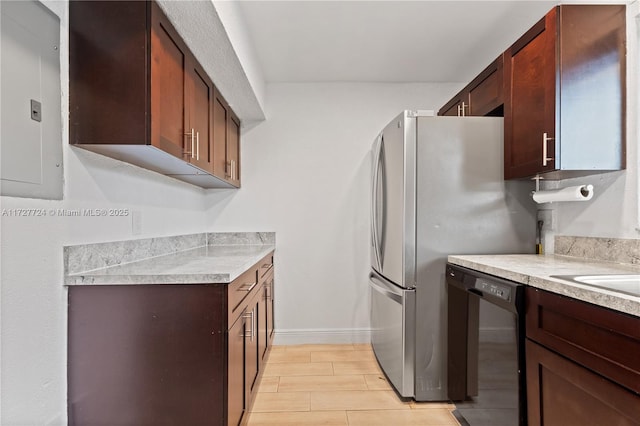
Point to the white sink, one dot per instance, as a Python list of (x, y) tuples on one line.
[(629, 284)]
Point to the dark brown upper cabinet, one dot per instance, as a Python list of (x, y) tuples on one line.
[(226, 130), (564, 104), (482, 97), (139, 95)]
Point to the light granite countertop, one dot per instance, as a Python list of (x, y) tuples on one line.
[(179, 260), (537, 270)]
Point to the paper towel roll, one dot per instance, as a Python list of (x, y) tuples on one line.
[(571, 193)]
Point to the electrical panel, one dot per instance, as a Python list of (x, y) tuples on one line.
[(31, 97)]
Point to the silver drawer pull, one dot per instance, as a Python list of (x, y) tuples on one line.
[(247, 287)]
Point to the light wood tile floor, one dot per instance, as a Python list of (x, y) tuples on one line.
[(308, 385)]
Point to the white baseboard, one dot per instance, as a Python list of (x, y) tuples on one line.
[(322, 336)]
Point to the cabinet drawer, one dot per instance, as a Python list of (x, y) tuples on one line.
[(605, 341), (239, 289), (265, 265)]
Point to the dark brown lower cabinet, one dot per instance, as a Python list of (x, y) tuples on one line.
[(564, 393), (583, 366), (152, 355)]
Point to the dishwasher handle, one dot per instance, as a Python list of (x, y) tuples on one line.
[(476, 292)]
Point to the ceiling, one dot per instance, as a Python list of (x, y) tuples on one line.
[(383, 41)]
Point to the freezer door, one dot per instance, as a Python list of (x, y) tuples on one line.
[(393, 202), (393, 332)]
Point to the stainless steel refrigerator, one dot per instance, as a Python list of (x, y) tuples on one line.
[(437, 189)]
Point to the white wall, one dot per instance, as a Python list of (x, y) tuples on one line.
[(33, 301), (306, 173)]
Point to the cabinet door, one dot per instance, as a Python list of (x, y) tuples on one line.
[(485, 91), (235, 373), (252, 357), (220, 117), (199, 132), (530, 99), (270, 311), (226, 142), (560, 392), (263, 323), (168, 87), (266, 316), (233, 149)]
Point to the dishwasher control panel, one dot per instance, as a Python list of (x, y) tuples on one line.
[(494, 289)]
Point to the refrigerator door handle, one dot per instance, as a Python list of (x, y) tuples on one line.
[(383, 172), (380, 286), (374, 202)]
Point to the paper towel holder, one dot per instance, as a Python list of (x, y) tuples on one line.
[(570, 193)]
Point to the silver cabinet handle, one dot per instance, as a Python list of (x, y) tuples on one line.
[(230, 168), (268, 290), (545, 140), (461, 108), (192, 153), (250, 333), (247, 287), (193, 141), (191, 135), (198, 146)]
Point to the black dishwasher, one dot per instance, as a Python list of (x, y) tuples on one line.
[(485, 358)]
